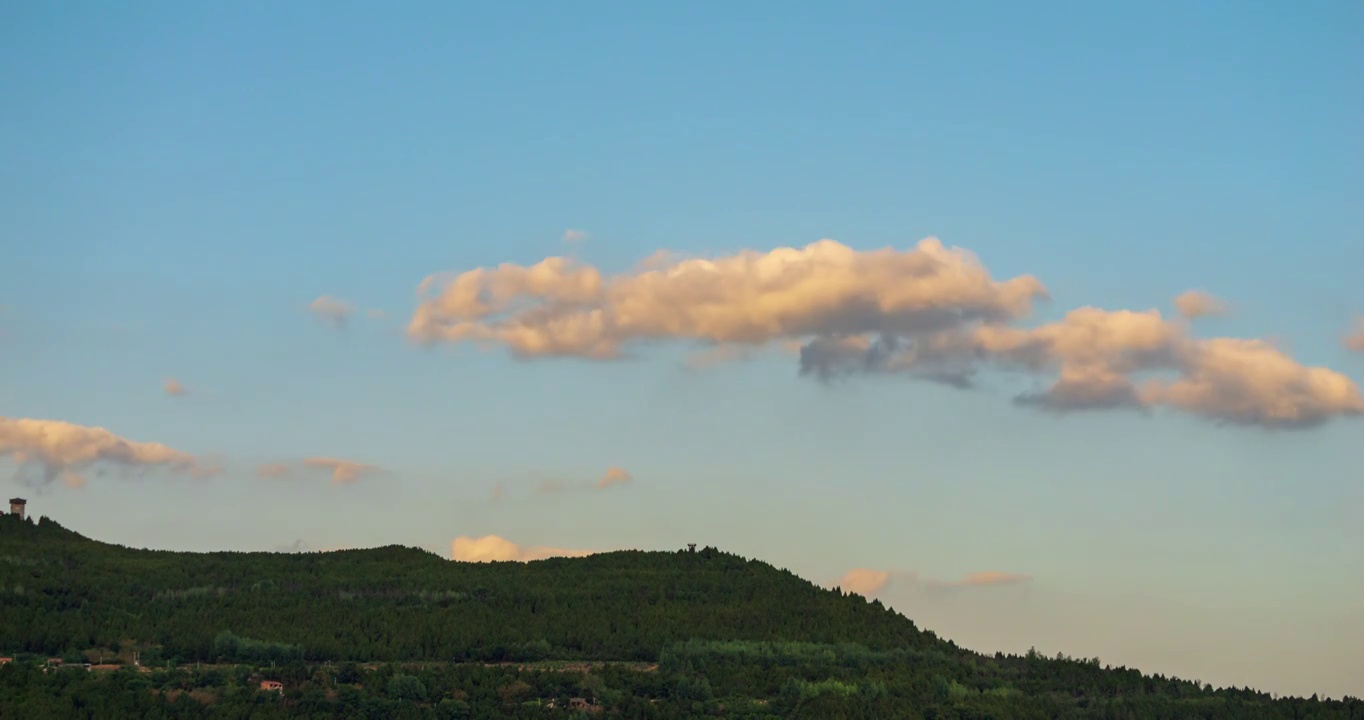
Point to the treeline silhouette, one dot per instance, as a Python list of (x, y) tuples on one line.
[(399, 632)]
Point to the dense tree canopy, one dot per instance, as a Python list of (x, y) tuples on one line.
[(398, 632)]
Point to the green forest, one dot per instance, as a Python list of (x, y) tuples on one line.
[(94, 630)]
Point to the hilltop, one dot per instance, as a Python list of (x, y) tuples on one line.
[(77, 592), (653, 634)]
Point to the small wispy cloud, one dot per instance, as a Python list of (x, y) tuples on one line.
[(573, 237), (332, 311), (173, 387), (1354, 339), (612, 477), (342, 472), (982, 579), (1198, 303)]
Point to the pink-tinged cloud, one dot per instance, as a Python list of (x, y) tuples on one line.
[(614, 476), (871, 583), (491, 548), (931, 312), (58, 449), (173, 387), (559, 307), (1198, 303), (574, 236), (342, 472), (1099, 359), (1354, 340), (273, 470), (989, 577), (333, 311), (864, 581)]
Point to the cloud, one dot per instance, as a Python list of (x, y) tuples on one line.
[(614, 476), (559, 307), (271, 470), (343, 472), (930, 312), (1354, 340), (173, 387), (864, 581), (491, 548), (333, 311), (554, 487), (572, 236), (870, 583), (47, 450), (1197, 303), (982, 579)]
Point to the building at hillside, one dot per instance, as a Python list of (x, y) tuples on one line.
[(16, 507)]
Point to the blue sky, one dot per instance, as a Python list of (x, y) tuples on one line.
[(180, 183)]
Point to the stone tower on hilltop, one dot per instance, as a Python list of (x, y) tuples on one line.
[(16, 507)]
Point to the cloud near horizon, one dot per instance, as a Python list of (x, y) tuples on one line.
[(869, 582), (343, 472), (1198, 303), (47, 450), (173, 387), (492, 548), (932, 312)]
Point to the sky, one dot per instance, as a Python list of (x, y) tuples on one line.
[(1039, 322)]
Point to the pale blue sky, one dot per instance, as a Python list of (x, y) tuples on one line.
[(179, 181)]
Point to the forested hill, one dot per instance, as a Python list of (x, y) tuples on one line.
[(398, 632), (64, 593)]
